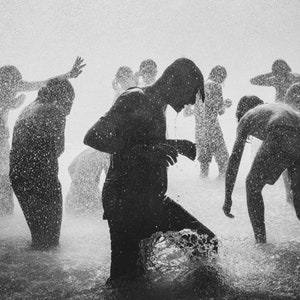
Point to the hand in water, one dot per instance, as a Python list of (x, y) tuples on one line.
[(227, 208)]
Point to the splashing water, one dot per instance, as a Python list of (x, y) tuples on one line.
[(79, 268)]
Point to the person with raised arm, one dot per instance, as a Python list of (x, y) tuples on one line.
[(11, 83)]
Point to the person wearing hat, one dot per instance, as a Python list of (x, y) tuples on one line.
[(38, 142), (11, 83), (281, 78), (134, 197), (208, 133)]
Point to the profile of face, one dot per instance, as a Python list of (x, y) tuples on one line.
[(181, 81), (188, 97)]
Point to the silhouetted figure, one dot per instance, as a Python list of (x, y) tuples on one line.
[(208, 133), (148, 72), (281, 78), (85, 171), (11, 83), (123, 80), (277, 125), (38, 141), (133, 131)]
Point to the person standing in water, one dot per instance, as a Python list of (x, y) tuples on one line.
[(281, 78), (85, 171), (38, 142), (134, 197), (11, 83), (208, 133), (278, 126)]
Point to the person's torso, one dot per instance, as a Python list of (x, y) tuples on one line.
[(265, 118)]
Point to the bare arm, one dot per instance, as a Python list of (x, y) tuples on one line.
[(16, 102), (232, 171), (25, 86), (264, 79)]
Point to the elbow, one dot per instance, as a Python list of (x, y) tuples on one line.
[(89, 140), (93, 140)]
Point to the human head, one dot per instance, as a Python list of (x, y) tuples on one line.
[(245, 104), (179, 84), (58, 92), (125, 77), (292, 96), (10, 77), (148, 71), (280, 67), (218, 74)]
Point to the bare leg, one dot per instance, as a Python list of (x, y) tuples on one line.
[(204, 168), (256, 207), (287, 183), (294, 173)]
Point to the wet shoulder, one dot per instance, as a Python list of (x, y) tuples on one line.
[(281, 115), (130, 100)]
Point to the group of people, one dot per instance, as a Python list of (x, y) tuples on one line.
[(84, 195), (133, 134)]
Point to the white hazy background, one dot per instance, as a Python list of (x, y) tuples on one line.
[(43, 38)]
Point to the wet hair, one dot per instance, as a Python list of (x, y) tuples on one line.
[(218, 74), (148, 67), (59, 90), (280, 67), (183, 72), (8, 73), (245, 104), (124, 73), (292, 96)]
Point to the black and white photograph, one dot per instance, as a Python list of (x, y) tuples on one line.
[(149, 150)]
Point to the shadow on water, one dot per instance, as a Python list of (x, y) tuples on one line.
[(79, 268)]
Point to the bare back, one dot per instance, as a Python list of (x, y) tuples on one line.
[(261, 120)]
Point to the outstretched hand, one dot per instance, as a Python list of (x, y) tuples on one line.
[(77, 68), (184, 147), (227, 209)]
